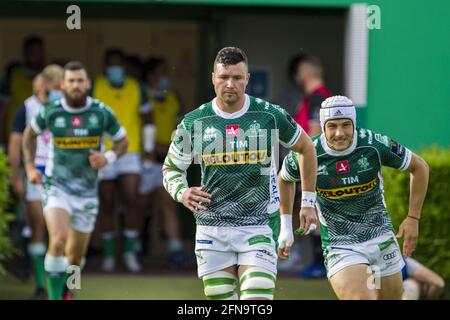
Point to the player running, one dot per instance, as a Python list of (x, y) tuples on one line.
[(355, 227), (235, 139), (77, 124)]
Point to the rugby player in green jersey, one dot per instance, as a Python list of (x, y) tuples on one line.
[(76, 124), (362, 256), (235, 139)]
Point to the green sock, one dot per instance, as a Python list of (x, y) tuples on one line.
[(108, 241), (55, 268), (39, 271), (37, 254), (131, 237), (55, 283)]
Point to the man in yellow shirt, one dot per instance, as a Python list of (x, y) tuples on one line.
[(16, 85), (124, 95)]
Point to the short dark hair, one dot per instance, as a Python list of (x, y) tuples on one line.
[(32, 41), (293, 64), (113, 52), (314, 65), (231, 56), (73, 66)]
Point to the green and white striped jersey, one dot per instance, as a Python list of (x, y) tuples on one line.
[(75, 131), (350, 186), (235, 152)]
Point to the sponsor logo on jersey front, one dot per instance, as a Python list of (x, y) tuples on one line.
[(77, 121), (349, 191), (77, 142), (342, 167), (60, 122), (232, 130), (234, 158)]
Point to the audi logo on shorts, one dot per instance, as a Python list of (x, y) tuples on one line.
[(390, 255)]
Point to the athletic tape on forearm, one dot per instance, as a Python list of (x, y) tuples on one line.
[(308, 199), (175, 183), (286, 222)]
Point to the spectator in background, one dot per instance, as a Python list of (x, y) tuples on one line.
[(124, 95), (16, 85), (163, 111), (291, 97), (134, 67), (46, 89), (419, 282), (311, 82), (309, 76)]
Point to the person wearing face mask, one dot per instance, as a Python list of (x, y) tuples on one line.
[(16, 85), (47, 89), (163, 111), (362, 255), (125, 96), (310, 80)]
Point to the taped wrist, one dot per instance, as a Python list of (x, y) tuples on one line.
[(175, 183), (308, 199)]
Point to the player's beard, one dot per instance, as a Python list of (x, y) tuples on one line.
[(76, 102)]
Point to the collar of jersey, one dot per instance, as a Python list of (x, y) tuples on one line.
[(233, 115), (332, 152), (76, 110)]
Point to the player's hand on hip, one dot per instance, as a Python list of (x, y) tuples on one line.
[(34, 175), (409, 230), (97, 159), (307, 217), (194, 197)]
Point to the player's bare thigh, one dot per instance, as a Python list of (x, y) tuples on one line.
[(354, 283), (391, 287)]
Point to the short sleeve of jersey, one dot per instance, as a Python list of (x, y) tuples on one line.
[(19, 123), (180, 153), (112, 126), (289, 130), (39, 123), (290, 170), (392, 153)]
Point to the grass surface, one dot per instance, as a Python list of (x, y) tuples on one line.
[(122, 287)]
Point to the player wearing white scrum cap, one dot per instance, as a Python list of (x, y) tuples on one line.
[(356, 231)]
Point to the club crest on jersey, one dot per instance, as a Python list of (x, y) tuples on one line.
[(363, 164), (342, 167), (77, 121), (232, 130), (93, 120)]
